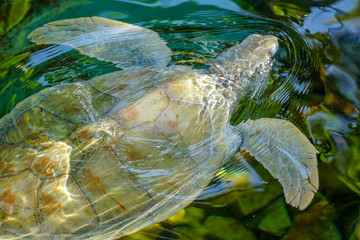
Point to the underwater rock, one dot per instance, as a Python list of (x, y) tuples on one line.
[(251, 201), (316, 223), (234, 229), (194, 226), (188, 224), (277, 220)]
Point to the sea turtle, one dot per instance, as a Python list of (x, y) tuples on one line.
[(103, 158)]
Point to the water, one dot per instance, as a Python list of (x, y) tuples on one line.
[(314, 84)]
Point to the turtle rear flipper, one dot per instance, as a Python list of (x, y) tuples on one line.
[(113, 41), (287, 154)]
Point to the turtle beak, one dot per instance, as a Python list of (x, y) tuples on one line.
[(273, 45)]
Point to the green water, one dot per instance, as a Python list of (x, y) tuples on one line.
[(314, 84)]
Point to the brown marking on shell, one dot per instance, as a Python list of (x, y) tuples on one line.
[(184, 90), (117, 89), (52, 160), (6, 204), (45, 167), (143, 73), (185, 122), (177, 87), (49, 203), (134, 153), (86, 138), (96, 184), (63, 208), (146, 109), (171, 126), (130, 113), (14, 159), (6, 167), (114, 177), (120, 87), (18, 202), (83, 133)]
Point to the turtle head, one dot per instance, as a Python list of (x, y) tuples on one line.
[(245, 67), (262, 46), (255, 50)]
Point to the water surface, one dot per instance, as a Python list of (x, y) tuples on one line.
[(314, 84)]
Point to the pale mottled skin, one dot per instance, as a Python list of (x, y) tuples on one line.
[(104, 158)]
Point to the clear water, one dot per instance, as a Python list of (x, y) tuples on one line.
[(314, 84)]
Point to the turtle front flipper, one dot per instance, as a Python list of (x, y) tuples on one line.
[(113, 41), (287, 154)]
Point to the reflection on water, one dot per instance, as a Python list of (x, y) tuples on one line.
[(314, 84)]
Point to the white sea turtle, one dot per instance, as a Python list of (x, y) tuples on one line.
[(103, 158)]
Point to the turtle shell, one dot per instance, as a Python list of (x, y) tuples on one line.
[(107, 157)]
